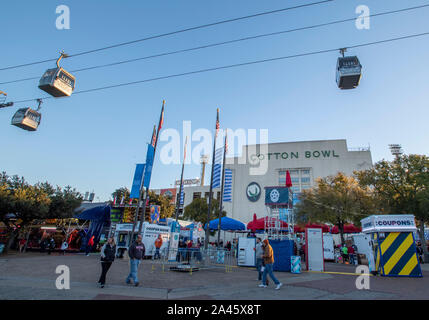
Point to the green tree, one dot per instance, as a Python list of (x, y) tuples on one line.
[(167, 208), (121, 192), (337, 200), (26, 203), (402, 185), (198, 208)]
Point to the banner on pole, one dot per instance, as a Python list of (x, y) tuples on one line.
[(137, 181), (149, 164)]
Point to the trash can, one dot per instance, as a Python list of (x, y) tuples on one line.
[(1, 248)]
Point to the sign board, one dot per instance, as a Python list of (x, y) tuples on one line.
[(328, 247), (246, 252), (314, 249), (174, 245), (278, 196), (389, 223), (188, 182), (150, 233), (116, 214)]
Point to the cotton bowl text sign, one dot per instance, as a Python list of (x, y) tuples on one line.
[(389, 223), (322, 154)]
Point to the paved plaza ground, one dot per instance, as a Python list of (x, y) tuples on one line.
[(31, 276)]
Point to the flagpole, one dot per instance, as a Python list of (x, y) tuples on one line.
[(141, 193), (161, 121), (206, 243), (179, 198), (221, 191)]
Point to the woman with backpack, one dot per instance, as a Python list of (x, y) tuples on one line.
[(108, 252)]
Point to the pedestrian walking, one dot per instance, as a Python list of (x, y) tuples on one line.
[(136, 253), (344, 253), (351, 252), (89, 245), (158, 245), (419, 250), (22, 243), (259, 252), (51, 245), (108, 252), (64, 246), (268, 269)]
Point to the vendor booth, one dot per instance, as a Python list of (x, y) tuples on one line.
[(394, 244)]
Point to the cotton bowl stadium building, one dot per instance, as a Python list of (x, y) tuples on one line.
[(260, 166)]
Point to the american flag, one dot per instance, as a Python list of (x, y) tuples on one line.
[(217, 123), (154, 136), (184, 153), (226, 142)]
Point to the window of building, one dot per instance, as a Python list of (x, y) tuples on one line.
[(197, 195), (301, 178), (218, 195)]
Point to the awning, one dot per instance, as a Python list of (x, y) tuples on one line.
[(100, 213), (226, 224)]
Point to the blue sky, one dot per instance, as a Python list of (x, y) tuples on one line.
[(93, 141)]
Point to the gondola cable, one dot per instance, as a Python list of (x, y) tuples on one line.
[(241, 64), (172, 33), (225, 42)]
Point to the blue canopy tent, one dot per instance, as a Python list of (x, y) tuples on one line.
[(99, 217), (226, 224)]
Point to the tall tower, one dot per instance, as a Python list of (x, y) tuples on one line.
[(203, 160), (396, 149)]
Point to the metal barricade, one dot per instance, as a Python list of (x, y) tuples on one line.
[(193, 259)]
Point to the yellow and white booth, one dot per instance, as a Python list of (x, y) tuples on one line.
[(394, 244)]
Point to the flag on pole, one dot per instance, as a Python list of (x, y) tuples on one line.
[(149, 164), (226, 142), (122, 200), (227, 188), (217, 173), (114, 201), (217, 123), (154, 136), (182, 196), (161, 119), (288, 179)]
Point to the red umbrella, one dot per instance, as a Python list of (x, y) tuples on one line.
[(348, 228), (324, 227), (259, 224), (298, 229)]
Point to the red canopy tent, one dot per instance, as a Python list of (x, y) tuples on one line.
[(324, 227), (348, 228), (259, 224)]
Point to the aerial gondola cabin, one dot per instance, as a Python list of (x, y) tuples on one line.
[(27, 119), (57, 82), (349, 72)]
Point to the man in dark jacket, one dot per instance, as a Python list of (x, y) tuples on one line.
[(136, 253)]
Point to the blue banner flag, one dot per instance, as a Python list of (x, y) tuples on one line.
[(227, 188), (182, 197), (217, 172), (149, 164), (137, 182)]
